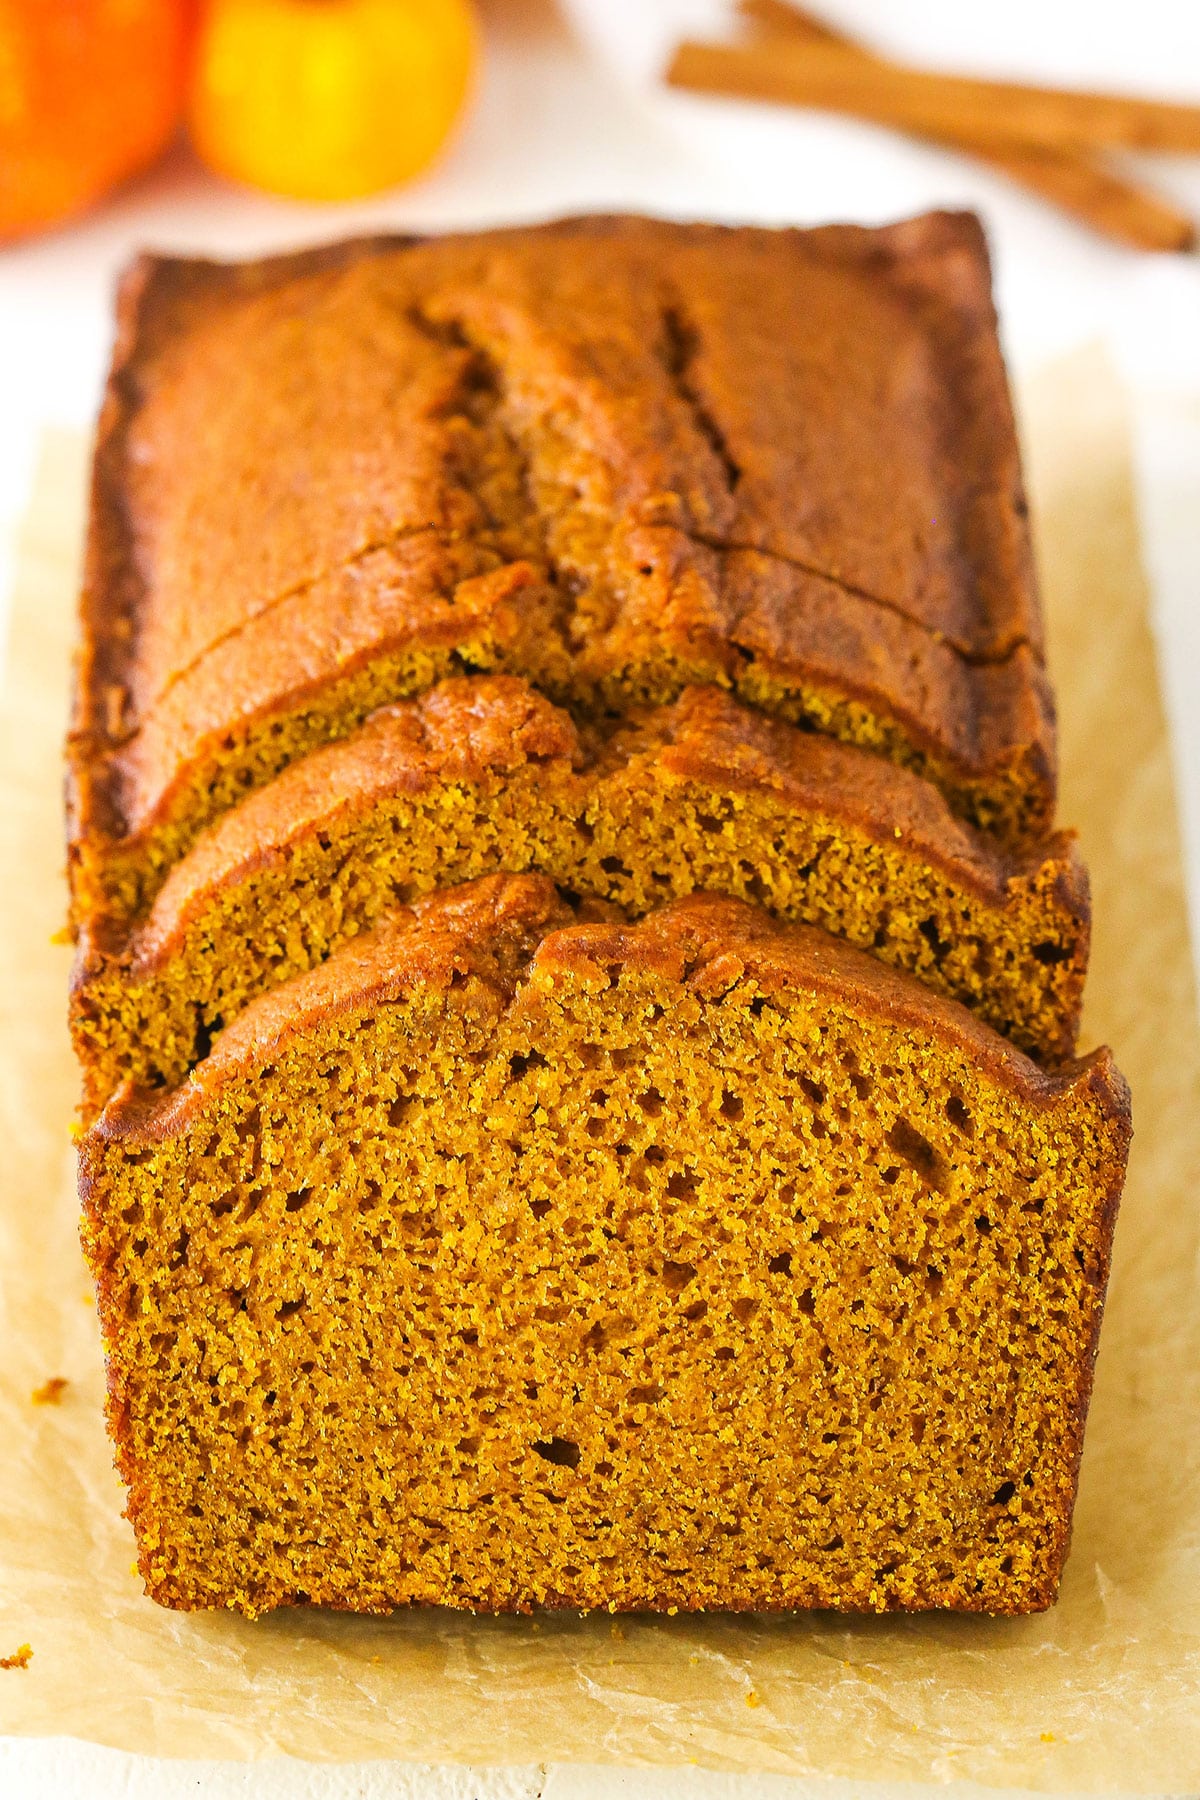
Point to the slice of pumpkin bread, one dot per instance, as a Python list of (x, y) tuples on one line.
[(483, 774), (616, 456), (504, 1260)]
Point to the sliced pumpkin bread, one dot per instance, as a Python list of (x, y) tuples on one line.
[(483, 774), (506, 1260)]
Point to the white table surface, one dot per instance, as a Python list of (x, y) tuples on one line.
[(569, 118)]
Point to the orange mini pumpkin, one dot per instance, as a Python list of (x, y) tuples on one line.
[(329, 99), (90, 92)]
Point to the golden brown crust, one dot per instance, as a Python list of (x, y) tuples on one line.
[(507, 932), (159, 300), (308, 466)]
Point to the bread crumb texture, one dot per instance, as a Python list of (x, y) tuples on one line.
[(485, 774), (508, 1261)]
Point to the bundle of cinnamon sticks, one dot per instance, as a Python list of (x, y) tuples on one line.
[(1050, 140)]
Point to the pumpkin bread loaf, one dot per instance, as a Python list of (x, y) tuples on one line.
[(615, 456), (484, 774), (506, 1260), (560, 799)]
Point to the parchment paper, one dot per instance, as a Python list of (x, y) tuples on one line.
[(1102, 1692)]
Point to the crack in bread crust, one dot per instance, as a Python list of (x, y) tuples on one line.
[(626, 613)]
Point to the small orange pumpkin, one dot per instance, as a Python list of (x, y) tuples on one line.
[(90, 92), (329, 99)]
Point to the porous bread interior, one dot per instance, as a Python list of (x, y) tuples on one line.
[(1006, 801), (626, 836), (119, 877), (612, 1297)]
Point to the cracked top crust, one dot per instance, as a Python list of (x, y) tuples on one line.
[(781, 459)]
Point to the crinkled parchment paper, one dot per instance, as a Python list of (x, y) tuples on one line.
[(1102, 1692)]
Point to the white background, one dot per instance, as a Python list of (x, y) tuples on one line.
[(570, 118)]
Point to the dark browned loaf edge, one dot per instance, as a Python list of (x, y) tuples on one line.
[(705, 942), (157, 297)]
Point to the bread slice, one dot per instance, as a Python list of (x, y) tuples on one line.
[(614, 456), (506, 1260), (483, 774)]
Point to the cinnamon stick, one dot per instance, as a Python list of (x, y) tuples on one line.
[(1121, 210), (1094, 194), (796, 21), (830, 76)]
